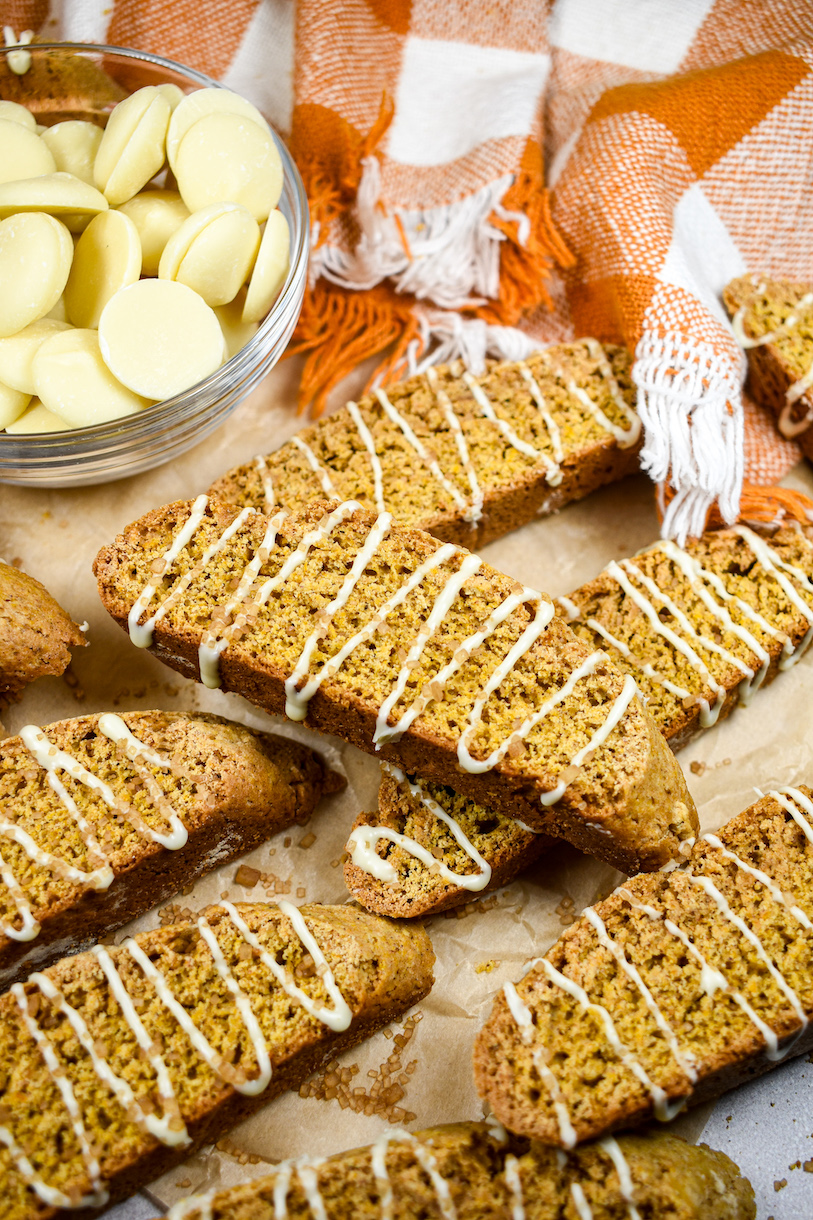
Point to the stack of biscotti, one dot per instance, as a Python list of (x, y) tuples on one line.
[(415, 650), (773, 323), (118, 1063), (677, 987), (476, 1171), (104, 816), (36, 634), (465, 458), (699, 629)]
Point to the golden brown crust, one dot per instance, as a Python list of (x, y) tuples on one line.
[(232, 787), (379, 967), (669, 1178), (515, 485), (692, 983), (36, 634), (628, 803)]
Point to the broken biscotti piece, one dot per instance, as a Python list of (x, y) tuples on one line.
[(36, 634), (121, 1062), (397, 644), (773, 323), (465, 458), (677, 987), (699, 629), (476, 1171), (104, 816)]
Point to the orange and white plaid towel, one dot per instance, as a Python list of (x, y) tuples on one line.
[(678, 139)]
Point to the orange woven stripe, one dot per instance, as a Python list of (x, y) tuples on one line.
[(24, 15), (205, 36), (734, 98)]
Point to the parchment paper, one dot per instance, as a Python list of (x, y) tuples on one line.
[(56, 535)]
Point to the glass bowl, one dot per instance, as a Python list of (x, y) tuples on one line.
[(125, 446)]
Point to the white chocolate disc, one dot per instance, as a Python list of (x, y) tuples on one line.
[(107, 257), (22, 153), (156, 215), (159, 338), (59, 194), (17, 353), (59, 311), (15, 113), (74, 382), (236, 332), (12, 404), (270, 269), (201, 103), (35, 258), (74, 145), (217, 261), (173, 93), (37, 419), (137, 149), (225, 157)]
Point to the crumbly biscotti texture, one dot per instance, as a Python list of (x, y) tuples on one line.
[(418, 889), (101, 1085), (77, 868), (680, 985), (779, 308), (36, 634), (737, 623), (741, 607), (489, 1176), (322, 583), (516, 474)]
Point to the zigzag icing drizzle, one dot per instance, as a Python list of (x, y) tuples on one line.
[(712, 980), (364, 839), (101, 875), (168, 1126), (472, 505), (787, 426), (711, 590), (302, 684)]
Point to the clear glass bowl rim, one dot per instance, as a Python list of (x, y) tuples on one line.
[(219, 383)]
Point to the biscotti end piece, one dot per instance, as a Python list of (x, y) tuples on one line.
[(119, 1063), (773, 323), (465, 458), (475, 1171), (428, 849), (36, 634), (705, 626), (677, 987), (397, 644), (105, 816)]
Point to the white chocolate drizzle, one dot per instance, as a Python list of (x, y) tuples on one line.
[(522, 1015), (515, 441), (625, 1184), (513, 1180), (474, 512), (762, 878), (321, 472), (787, 426), (781, 795), (100, 876), (550, 423), (427, 1162), (269, 497), (773, 563), (363, 841), (619, 707), (580, 1203), (625, 437), (369, 444), (418, 446), (168, 1126), (141, 634), (202, 1204)]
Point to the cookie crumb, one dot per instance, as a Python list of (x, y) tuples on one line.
[(780, 1184), (697, 768), (487, 966), (247, 876), (308, 840)]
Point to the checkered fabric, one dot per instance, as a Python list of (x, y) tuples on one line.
[(677, 135)]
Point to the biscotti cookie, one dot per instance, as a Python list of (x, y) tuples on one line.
[(773, 323), (465, 458), (477, 1171), (699, 629), (677, 987), (104, 816), (118, 1063), (36, 634), (397, 644)]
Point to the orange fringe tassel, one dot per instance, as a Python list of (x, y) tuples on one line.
[(771, 505), (340, 328)]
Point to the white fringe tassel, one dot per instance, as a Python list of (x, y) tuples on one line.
[(453, 257), (446, 337), (689, 399)]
